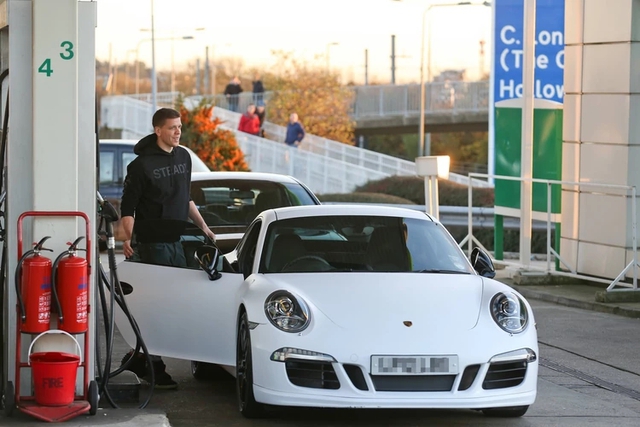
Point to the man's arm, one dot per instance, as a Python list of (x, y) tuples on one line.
[(194, 215), (127, 225), (132, 188)]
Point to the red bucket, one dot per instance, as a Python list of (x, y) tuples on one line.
[(54, 377)]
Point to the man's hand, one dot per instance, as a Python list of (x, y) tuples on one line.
[(210, 234), (127, 249)]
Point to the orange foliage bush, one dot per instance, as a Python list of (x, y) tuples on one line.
[(216, 147)]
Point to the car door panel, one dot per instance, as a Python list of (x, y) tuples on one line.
[(180, 312)]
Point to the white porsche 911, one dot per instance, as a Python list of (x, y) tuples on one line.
[(344, 306)]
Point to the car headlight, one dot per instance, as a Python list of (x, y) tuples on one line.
[(286, 312), (509, 312)]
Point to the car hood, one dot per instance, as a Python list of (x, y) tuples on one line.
[(373, 301)]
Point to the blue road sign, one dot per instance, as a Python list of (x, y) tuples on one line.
[(508, 52)]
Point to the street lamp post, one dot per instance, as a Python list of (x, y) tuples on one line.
[(138, 53), (424, 149), (172, 38), (127, 70), (329, 51)]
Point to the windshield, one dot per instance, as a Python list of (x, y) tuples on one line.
[(361, 243), (237, 202)]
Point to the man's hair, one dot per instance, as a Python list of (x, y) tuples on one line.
[(162, 115)]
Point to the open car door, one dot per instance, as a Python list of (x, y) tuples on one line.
[(181, 312)]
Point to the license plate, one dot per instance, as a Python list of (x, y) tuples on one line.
[(414, 365)]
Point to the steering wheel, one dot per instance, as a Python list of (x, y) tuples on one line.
[(322, 264)]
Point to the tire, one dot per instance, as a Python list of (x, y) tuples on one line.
[(94, 397), (208, 371), (508, 412), (247, 404), (9, 399)]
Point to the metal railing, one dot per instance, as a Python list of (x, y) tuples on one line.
[(321, 174), (382, 163), (369, 101), (600, 189)]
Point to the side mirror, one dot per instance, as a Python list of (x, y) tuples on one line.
[(207, 258), (482, 263)]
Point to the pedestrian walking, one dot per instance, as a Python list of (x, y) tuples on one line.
[(295, 131), (258, 89), (232, 92), (261, 113)]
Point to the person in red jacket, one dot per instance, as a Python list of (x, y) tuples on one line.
[(250, 122)]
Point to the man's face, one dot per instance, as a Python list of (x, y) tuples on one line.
[(169, 134)]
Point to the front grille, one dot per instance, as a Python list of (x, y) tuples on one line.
[(356, 376), (413, 382), (468, 377), (312, 374), (503, 375)]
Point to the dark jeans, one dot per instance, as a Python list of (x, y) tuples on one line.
[(171, 254)]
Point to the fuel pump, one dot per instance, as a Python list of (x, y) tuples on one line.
[(33, 289), (70, 289)]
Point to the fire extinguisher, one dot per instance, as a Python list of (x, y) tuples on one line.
[(33, 289), (70, 289)]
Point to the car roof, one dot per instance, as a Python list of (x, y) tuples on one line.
[(243, 176), (132, 142), (349, 210)]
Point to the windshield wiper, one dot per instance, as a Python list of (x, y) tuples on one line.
[(440, 271)]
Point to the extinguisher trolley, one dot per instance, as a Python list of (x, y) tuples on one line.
[(87, 401)]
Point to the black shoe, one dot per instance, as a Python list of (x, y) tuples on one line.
[(163, 381), (138, 365)]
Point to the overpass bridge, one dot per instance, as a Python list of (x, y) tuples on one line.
[(449, 107), (390, 109)]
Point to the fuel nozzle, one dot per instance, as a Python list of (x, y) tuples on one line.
[(107, 211)]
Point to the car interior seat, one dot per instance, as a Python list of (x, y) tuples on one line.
[(387, 250), (286, 248), (198, 197), (265, 200)]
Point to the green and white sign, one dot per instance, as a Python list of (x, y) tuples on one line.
[(506, 121)]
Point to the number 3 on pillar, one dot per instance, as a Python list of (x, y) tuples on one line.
[(66, 54)]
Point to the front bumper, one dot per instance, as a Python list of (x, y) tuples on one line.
[(346, 382)]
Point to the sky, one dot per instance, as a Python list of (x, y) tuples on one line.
[(252, 29)]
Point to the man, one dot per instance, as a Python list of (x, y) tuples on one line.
[(156, 187), (232, 91), (295, 131), (261, 113)]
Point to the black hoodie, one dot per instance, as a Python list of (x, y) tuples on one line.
[(157, 184)]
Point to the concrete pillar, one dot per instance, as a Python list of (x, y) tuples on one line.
[(601, 132), (51, 148)]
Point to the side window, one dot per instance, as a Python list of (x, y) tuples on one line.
[(247, 249), (107, 167)]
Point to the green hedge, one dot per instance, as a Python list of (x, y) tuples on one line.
[(412, 188)]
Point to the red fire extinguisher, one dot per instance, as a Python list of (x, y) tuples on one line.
[(33, 289), (70, 289)]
